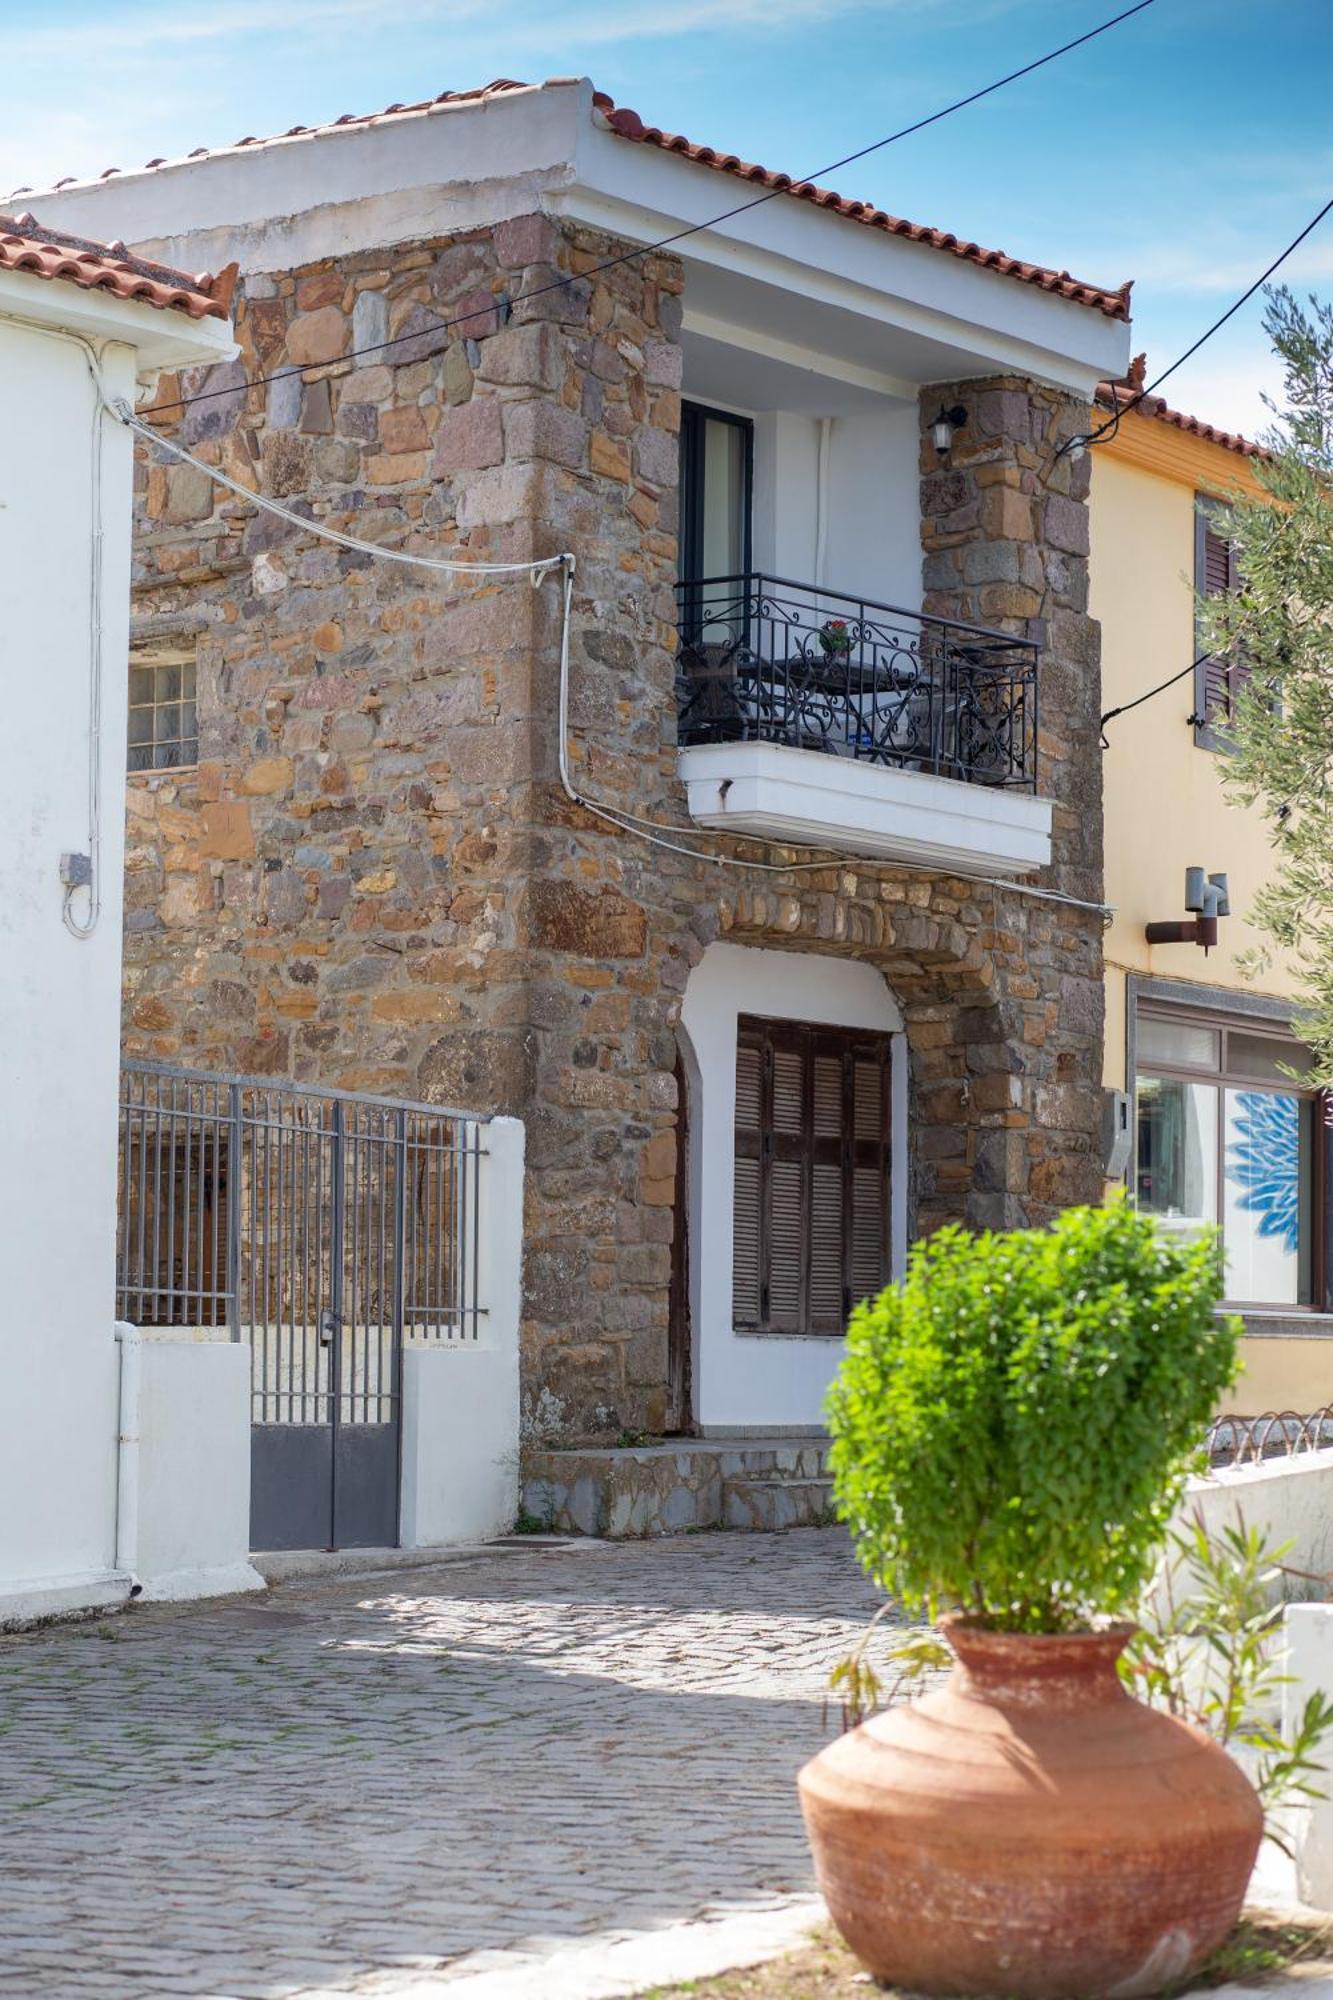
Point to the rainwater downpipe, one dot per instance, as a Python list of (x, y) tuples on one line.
[(127, 1454), (821, 499)]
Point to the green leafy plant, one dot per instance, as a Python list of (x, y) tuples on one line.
[(1205, 1651), (1013, 1424)]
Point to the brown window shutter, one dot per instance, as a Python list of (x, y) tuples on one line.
[(747, 1202), (812, 1175), (1217, 681)]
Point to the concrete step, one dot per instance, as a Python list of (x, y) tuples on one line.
[(765, 1504), (678, 1485)]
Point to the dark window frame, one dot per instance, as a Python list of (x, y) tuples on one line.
[(849, 1154), (694, 418)]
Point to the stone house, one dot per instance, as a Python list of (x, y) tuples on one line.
[(806, 956)]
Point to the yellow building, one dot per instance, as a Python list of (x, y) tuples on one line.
[(1216, 1130)]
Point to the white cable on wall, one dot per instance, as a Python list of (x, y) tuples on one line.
[(653, 832)]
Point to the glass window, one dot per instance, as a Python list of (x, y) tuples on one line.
[(1238, 1149), (1178, 1042), (163, 725), (1177, 1172)]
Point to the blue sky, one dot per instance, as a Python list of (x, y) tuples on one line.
[(1182, 149)]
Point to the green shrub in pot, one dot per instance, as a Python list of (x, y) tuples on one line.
[(1013, 1424)]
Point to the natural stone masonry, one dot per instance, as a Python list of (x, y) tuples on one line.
[(374, 878), (364, 1785), (680, 1486)]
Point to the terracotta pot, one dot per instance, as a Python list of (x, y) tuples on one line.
[(1030, 1829)]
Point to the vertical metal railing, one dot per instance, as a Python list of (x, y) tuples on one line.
[(324, 1227)]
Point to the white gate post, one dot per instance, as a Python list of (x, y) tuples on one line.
[(460, 1396)]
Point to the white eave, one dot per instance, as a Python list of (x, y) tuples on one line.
[(161, 338), (810, 798)]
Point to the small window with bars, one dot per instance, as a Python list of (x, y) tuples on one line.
[(164, 729), (811, 1193), (1218, 679)]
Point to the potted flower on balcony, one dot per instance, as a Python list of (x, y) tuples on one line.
[(1011, 1428), (835, 638)]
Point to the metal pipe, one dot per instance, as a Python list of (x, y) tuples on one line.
[(127, 1454)]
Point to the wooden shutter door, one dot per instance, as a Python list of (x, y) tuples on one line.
[(811, 1223), (747, 1199)]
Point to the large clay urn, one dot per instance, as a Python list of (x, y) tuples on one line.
[(1030, 1829)]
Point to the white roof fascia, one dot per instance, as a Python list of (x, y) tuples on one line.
[(646, 194), (337, 191), (161, 338)]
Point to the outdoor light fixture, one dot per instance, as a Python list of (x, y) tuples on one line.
[(1208, 897), (944, 426)]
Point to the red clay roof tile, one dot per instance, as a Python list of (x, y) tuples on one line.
[(25, 245), (627, 124), (1115, 395)]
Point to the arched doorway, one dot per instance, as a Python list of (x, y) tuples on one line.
[(795, 1187)]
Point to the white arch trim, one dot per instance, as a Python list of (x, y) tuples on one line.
[(749, 1381)]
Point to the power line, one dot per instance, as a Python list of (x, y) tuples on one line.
[(1112, 423), (1138, 700), (693, 229)]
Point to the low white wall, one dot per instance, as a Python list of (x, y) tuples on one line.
[(461, 1397), (193, 1450), (1287, 1499), (1308, 1665)]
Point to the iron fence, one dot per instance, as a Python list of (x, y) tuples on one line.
[(762, 658), (1275, 1434), (324, 1227)]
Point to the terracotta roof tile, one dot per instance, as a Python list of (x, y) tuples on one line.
[(501, 87), (627, 124), (1115, 395), (25, 245)]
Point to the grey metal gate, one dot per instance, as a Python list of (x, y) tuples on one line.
[(326, 1228)]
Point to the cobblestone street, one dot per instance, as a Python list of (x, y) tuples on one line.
[(364, 1785)]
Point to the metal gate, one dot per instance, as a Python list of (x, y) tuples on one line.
[(326, 1228)]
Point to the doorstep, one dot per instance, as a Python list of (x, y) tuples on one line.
[(676, 1486), (282, 1565)]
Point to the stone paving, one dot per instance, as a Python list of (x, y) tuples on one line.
[(376, 1785)]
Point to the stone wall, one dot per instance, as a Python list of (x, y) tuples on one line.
[(375, 879)]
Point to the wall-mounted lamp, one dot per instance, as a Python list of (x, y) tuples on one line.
[(1208, 897), (944, 426)]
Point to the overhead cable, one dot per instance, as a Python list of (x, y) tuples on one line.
[(475, 317), (1111, 426)]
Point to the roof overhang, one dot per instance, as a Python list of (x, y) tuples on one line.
[(790, 270), (160, 339)]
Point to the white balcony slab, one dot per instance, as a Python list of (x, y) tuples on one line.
[(811, 798)]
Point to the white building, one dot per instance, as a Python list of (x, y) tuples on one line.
[(80, 325)]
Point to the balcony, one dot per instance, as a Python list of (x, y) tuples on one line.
[(810, 717)]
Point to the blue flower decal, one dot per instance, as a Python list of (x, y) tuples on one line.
[(1263, 1160)]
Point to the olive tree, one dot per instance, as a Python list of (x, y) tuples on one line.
[(1278, 625)]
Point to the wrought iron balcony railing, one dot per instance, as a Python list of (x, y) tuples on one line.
[(763, 659)]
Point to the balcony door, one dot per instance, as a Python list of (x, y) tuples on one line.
[(716, 468)]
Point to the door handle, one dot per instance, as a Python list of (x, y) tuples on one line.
[(328, 1326)]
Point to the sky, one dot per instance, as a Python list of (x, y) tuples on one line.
[(1183, 149)]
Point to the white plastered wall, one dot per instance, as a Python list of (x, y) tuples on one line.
[(461, 1397), (60, 994), (60, 997), (747, 1381)]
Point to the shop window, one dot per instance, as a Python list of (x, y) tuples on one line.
[(1229, 1134)]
